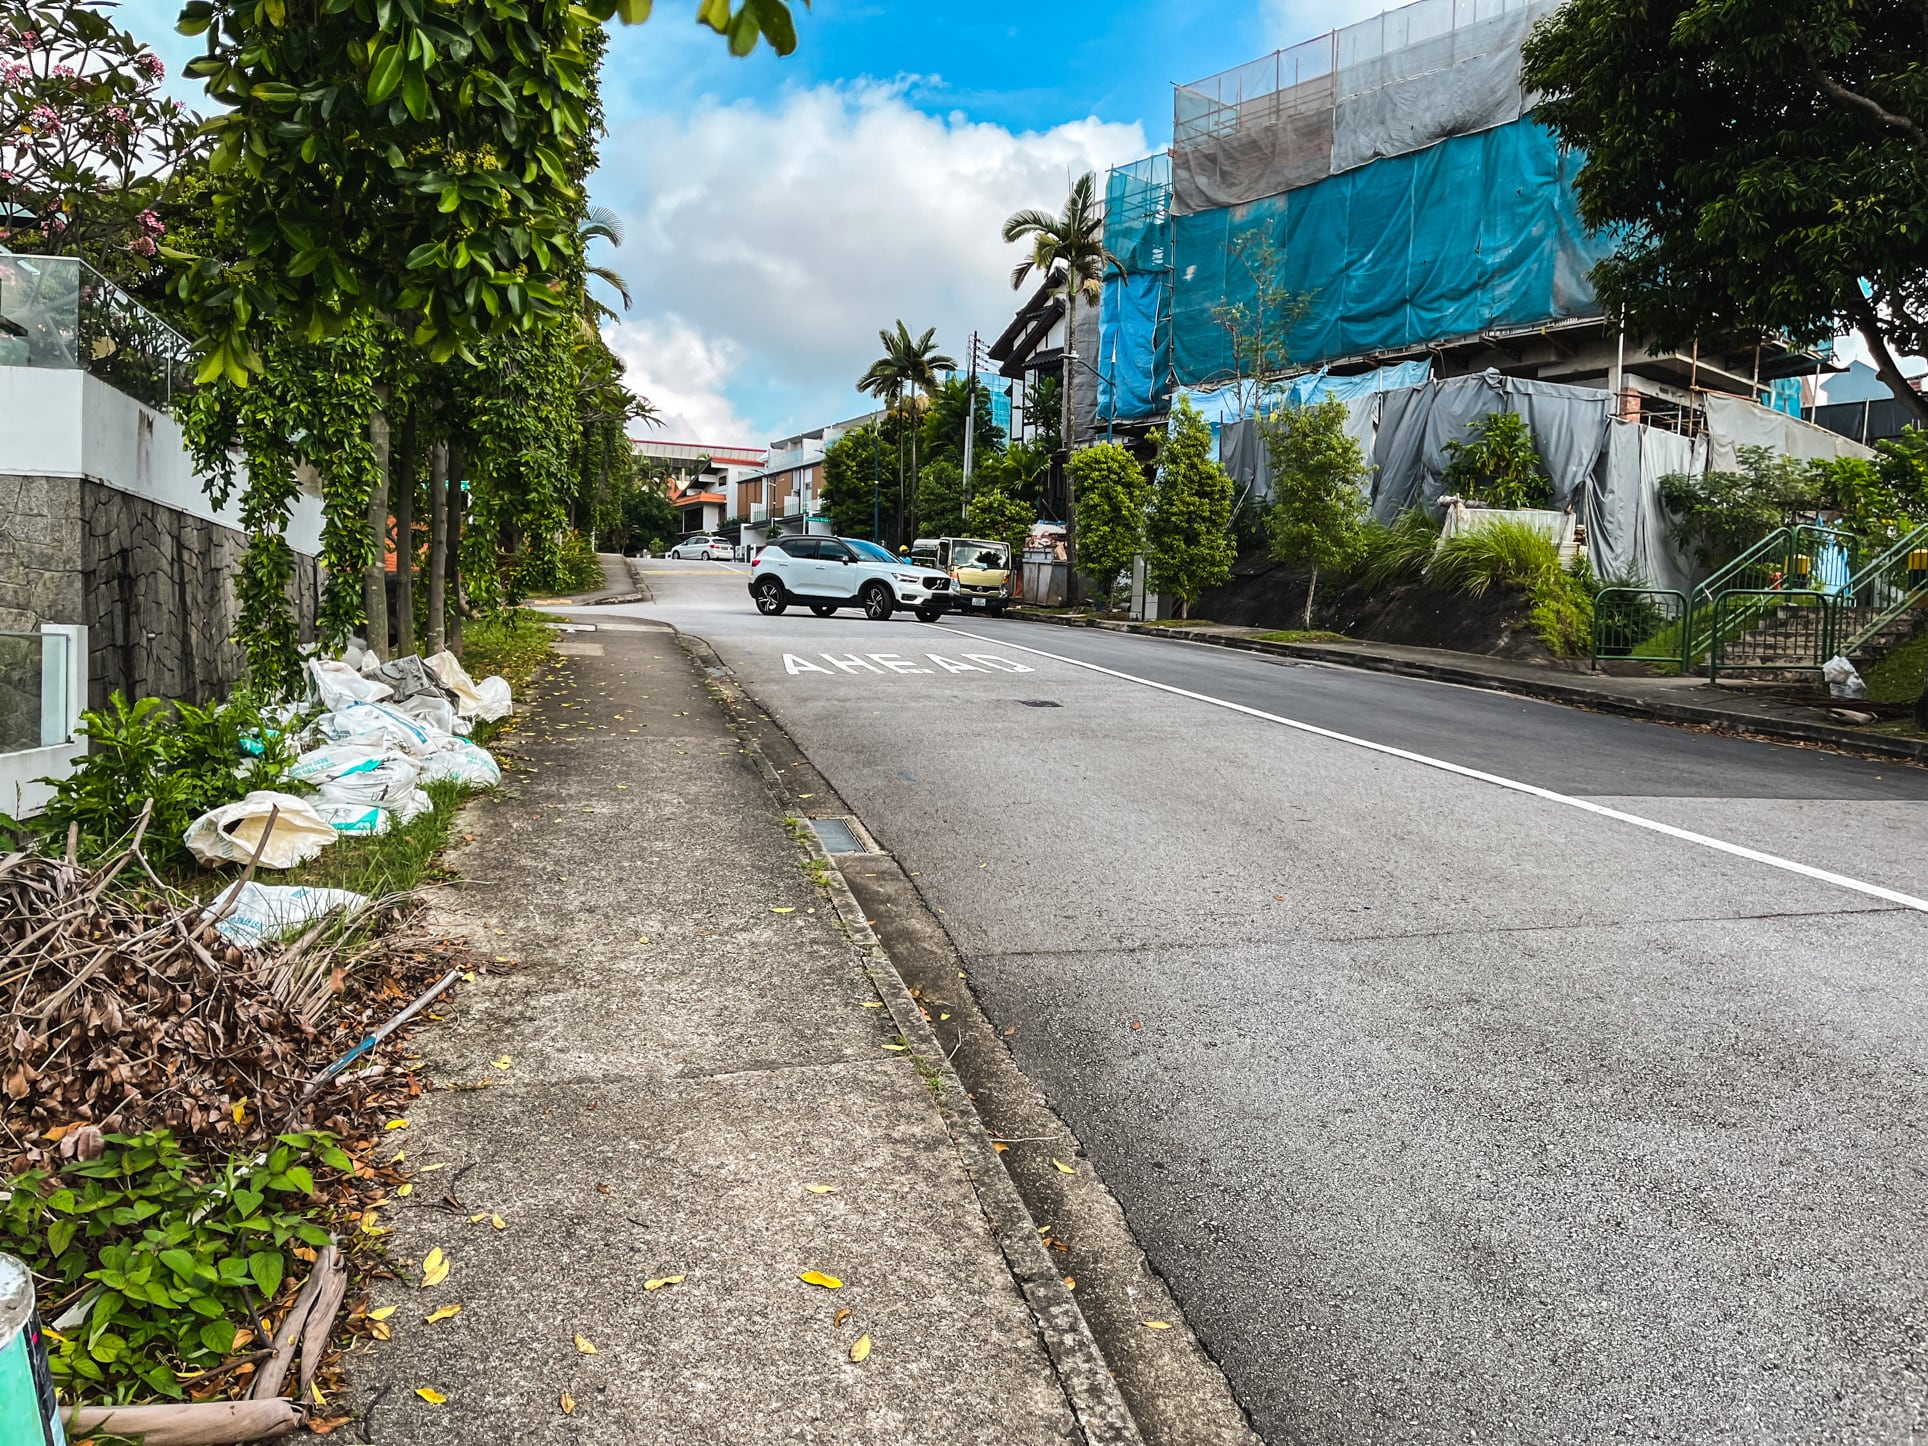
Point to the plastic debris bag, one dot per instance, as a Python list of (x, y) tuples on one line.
[(356, 820), (379, 725), (274, 911), (461, 761), (231, 833), (487, 700), (408, 678), (1842, 679), (346, 773), (410, 806), (337, 684), (434, 710)]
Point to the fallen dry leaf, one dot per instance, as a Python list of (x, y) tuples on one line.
[(1158, 1325), (1062, 1167), (442, 1312), (396, 1125), (897, 1046), (1071, 1282), (431, 1395), (842, 1315), (380, 1331), (502, 1063), (786, 909), (821, 1189), (568, 1404), (817, 1277), (661, 1281), (583, 1345), (861, 1349), (478, 1217), (873, 1004), (999, 1148), (380, 1312), (404, 1190), (435, 1269), (498, 1222)]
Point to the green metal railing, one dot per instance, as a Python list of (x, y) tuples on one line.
[(1783, 629), (1788, 560), (1646, 624), (1885, 587)]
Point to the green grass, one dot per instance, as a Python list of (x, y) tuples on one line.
[(514, 643), (1398, 552), (1180, 623), (1304, 635), (1897, 677), (391, 863), (1500, 554)]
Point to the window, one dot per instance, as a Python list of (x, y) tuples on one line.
[(831, 550)]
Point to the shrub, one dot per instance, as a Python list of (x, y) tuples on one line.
[(1319, 477), (1716, 516), (1498, 463), (1561, 609), (1112, 496), (1398, 552), (1502, 553), (187, 758)]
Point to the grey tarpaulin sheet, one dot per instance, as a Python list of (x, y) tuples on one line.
[(1735, 422), (1627, 532), (1455, 84), (1568, 423), (1268, 145), (1242, 452)]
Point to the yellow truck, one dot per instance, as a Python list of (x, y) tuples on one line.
[(980, 570)]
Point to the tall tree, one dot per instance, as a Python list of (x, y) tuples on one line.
[(1189, 533), (903, 379), (850, 477), (1319, 476), (1112, 495), (1764, 161)]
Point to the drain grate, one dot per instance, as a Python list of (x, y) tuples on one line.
[(838, 837), (1039, 703)]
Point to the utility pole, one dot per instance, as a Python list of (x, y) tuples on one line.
[(876, 485), (970, 424)]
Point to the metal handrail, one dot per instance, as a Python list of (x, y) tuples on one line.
[(1796, 550), (1907, 555), (1751, 603)]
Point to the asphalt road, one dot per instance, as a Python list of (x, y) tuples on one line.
[(1503, 1105)]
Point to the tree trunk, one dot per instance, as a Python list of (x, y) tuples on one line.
[(897, 536), (1310, 588), (452, 548), (913, 486), (438, 508), (1869, 325), (402, 485), (375, 573)]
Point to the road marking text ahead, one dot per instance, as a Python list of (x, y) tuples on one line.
[(894, 663)]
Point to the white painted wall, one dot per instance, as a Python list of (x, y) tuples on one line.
[(71, 424)]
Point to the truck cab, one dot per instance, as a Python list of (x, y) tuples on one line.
[(980, 570)]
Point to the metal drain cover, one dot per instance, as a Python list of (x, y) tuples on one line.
[(1039, 703), (838, 837)]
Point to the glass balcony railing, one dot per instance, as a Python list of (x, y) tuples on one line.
[(34, 706), (58, 312)]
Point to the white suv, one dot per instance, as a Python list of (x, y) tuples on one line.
[(714, 548), (827, 573)]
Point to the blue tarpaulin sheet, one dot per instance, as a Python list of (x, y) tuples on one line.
[(1473, 233), (1134, 349)]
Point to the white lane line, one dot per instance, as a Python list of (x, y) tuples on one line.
[(1653, 825)]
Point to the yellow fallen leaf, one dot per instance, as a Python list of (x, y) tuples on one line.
[(423, 1170), (379, 1330), (661, 1281), (435, 1269), (1158, 1325), (999, 1148), (404, 1190), (240, 1108), (320, 1400), (786, 909), (479, 1217), (396, 1125), (502, 1063), (842, 1315), (568, 1404), (643, 940), (431, 1395), (897, 1046), (584, 1346), (381, 1312), (873, 1004), (468, 975), (817, 1277), (821, 1189), (442, 1312), (1064, 1168), (861, 1350), (498, 1222), (1071, 1282)]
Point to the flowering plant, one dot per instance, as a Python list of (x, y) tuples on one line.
[(90, 150)]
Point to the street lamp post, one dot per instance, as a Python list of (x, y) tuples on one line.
[(876, 489)]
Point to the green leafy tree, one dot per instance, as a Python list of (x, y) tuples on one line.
[(1189, 533), (852, 472), (1763, 162), (649, 518), (1319, 476), (1716, 516), (903, 379), (940, 499), (1257, 328), (1112, 495), (1022, 471), (1498, 463), (997, 515), (1044, 411), (943, 426)]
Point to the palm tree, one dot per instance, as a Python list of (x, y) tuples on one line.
[(601, 224), (902, 379), (1068, 250)]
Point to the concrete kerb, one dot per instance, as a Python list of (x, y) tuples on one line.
[(1082, 1370), (1788, 730)]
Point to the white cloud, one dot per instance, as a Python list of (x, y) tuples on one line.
[(683, 373), (768, 243), (1290, 22)]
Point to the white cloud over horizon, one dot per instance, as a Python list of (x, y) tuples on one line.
[(767, 243)]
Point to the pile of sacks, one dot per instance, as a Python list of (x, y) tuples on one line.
[(382, 732)]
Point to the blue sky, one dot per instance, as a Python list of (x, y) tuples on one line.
[(779, 211)]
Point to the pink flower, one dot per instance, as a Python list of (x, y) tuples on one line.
[(64, 72), (150, 65), (118, 115), (142, 246), (43, 118), (152, 224)]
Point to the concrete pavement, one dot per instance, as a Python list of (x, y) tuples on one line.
[(676, 1106), (1448, 1109)]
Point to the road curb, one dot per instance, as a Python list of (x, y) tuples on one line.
[(1722, 720), (1083, 1373)]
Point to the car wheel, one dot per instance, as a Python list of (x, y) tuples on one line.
[(929, 615), (997, 610), (770, 600), (823, 610), (877, 602)]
